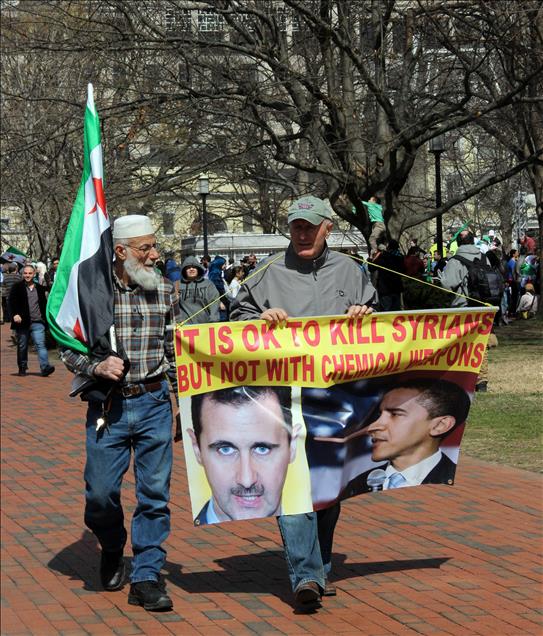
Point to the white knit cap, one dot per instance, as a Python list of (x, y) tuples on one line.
[(132, 226)]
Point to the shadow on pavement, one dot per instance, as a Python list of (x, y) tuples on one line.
[(265, 572), (80, 561)]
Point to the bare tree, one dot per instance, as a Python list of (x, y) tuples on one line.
[(354, 92), (339, 98)]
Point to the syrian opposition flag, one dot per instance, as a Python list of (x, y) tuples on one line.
[(13, 255), (80, 305)]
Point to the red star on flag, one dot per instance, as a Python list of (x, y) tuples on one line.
[(100, 197)]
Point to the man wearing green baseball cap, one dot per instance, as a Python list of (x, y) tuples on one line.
[(309, 279)]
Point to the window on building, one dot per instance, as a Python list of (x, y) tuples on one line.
[(280, 15), (210, 25), (245, 27), (177, 21)]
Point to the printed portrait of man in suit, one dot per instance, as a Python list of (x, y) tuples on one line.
[(244, 439), (414, 417)]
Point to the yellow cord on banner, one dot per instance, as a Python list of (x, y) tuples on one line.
[(355, 258), (418, 280)]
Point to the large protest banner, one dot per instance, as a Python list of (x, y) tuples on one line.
[(290, 419)]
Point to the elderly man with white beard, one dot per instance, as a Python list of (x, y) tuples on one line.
[(139, 418)]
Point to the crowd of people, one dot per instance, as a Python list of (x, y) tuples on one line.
[(518, 269), (394, 273)]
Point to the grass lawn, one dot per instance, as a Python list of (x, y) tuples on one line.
[(505, 424)]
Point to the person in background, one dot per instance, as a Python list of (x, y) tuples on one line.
[(529, 243), (438, 264), (216, 276), (528, 303), (204, 261), (53, 271), (10, 277), (42, 277), (197, 295), (455, 278), (528, 271), (513, 277), (27, 301), (414, 243), (229, 270), (427, 262), (413, 290), (413, 265), (161, 268), (172, 271), (378, 229), (389, 282), (235, 283)]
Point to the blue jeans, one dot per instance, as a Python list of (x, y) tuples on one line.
[(308, 539), (37, 331), (144, 424)]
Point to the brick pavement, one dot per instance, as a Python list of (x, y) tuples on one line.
[(430, 560)]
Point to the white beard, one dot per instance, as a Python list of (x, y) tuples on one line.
[(138, 274)]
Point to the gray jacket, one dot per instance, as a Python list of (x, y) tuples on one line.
[(455, 274), (196, 294), (327, 286)]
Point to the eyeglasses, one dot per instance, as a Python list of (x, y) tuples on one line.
[(144, 249)]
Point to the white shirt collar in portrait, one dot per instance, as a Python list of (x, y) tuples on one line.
[(416, 473)]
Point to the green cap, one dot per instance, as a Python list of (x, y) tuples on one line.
[(310, 209)]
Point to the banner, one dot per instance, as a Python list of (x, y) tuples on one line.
[(294, 418)]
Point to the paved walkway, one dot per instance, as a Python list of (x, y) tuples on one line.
[(428, 560)]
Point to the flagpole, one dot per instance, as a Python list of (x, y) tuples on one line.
[(113, 338)]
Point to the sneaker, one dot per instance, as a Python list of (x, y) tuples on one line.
[(149, 595), (22, 372), (481, 387), (48, 370)]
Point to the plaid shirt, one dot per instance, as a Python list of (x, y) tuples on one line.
[(142, 318)]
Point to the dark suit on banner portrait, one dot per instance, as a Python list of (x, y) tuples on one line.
[(442, 473)]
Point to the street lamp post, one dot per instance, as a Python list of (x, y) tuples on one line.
[(203, 187), (437, 146)]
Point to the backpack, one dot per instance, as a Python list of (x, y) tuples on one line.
[(485, 282)]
